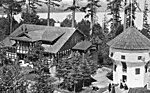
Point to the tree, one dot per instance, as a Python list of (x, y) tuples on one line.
[(11, 7), (75, 70), (29, 18), (44, 22), (66, 23), (91, 5), (73, 8), (30, 15), (145, 15), (51, 3), (84, 26), (44, 82), (130, 13), (114, 7)]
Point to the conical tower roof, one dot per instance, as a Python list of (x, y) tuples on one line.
[(130, 39)]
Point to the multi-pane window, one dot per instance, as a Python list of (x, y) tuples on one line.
[(23, 47), (122, 56), (137, 71)]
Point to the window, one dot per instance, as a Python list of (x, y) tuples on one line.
[(137, 71), (145, 68), (111, 54), (124, 67), (122, 56), (115, 66), (139, 57)]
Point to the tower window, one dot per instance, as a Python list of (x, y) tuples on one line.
[(115, 66), (139, 57), (145, 68), (111, 54), (122, 56), (137, 71), (124, 67)]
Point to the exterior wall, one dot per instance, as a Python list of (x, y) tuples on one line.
[(73, 40), (133, 80), (131, 56)]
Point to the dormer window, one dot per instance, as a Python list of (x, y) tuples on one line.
[(111, 54), (139, 57), (122, 56)]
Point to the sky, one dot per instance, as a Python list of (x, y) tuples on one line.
[(141, 2)]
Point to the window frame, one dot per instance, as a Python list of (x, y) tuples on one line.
[(137, 71), (123, 57)]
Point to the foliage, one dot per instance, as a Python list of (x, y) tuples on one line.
[(41, 69), (73, 8), (75, 70), (114, 7), (145, 32), (97, 31), (84, 26), (130, 12), (104, 54), (66, 23), (145, 16), (44, 22), (91, 11), (11, 7), (29, 18)]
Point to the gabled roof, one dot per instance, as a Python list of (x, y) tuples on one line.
[(83, 45), (130, 39), (47, 33)]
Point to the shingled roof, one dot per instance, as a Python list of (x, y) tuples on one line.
[(46, 33), (83, 45), (130, 39)]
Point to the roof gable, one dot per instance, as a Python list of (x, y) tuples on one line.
[(48, 33), (130, 39)]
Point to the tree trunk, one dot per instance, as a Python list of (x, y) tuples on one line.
[(48, 13), (125, 15), (11, 23), (74, 88), (92, 19), (73, 14)]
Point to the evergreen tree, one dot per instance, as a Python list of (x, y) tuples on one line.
[(44, 82), (75, 70), (11, 7), (73, 8), (84, 26), (91, 5), (114, 7)]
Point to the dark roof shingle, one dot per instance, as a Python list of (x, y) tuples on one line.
[(130, 39), (48, 33), (83, 45)]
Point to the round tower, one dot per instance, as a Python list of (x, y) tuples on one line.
[(131, 52)]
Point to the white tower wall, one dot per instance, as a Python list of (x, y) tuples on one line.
[(132, 62)]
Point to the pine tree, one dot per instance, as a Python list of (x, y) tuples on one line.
[(92, 6)]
